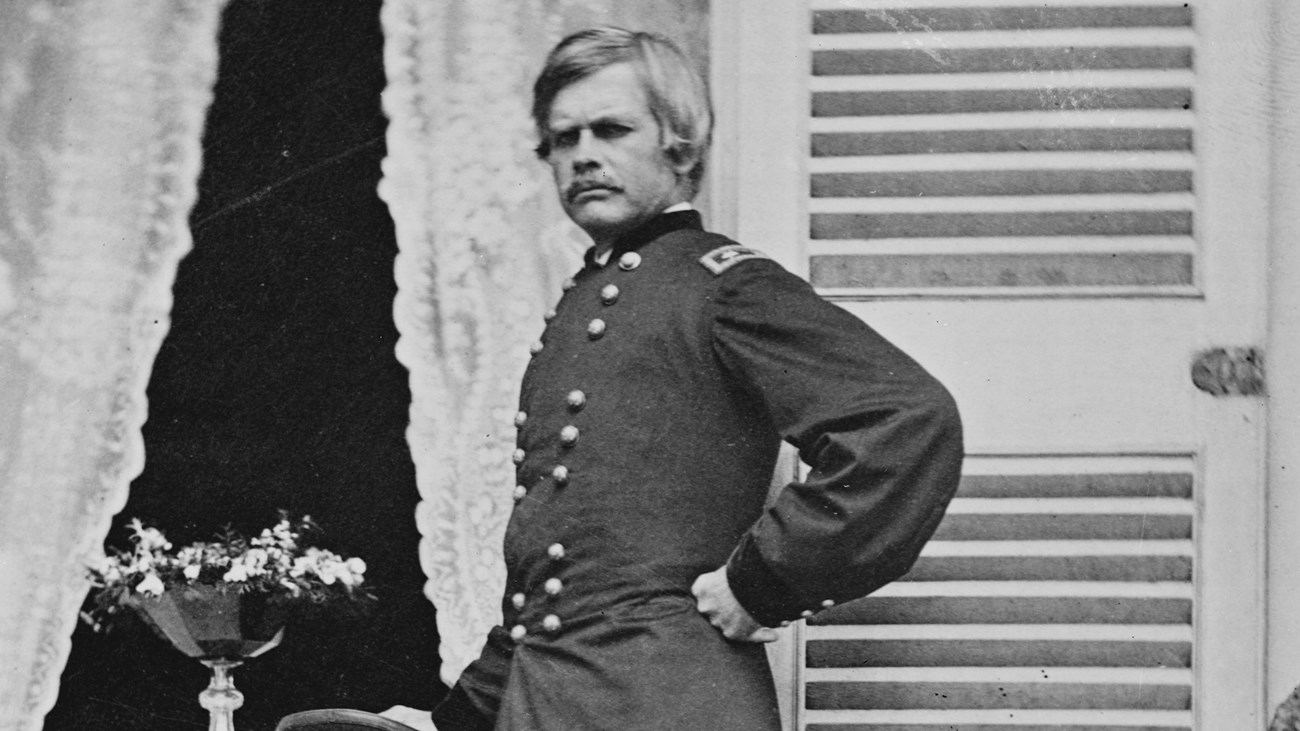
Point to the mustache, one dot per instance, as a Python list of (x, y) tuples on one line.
[(578, 187)]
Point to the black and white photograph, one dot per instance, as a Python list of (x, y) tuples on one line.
[(669, 365)]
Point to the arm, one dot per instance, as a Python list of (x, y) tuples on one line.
[(882, 438), (472, 703)]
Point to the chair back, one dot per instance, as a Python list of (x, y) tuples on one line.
[(338, 719)]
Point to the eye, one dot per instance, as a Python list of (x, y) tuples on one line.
[(610, 130), (564, 139)]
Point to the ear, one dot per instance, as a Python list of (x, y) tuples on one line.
[(682, 157)]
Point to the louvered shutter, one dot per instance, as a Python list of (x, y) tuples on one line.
[(1057, 595), (1002, 148), (1007, 149)]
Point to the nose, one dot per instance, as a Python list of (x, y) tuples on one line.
[(585, 153)]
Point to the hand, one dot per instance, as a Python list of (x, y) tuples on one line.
[(713, 598), (412, 717)]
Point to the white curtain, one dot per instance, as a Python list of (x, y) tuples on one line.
[(101, 113), (484, 248)]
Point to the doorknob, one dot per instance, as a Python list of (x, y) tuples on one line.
[(1229, 371)]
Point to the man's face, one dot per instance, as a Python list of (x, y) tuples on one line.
[(606, 156)]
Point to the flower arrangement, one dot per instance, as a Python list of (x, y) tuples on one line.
[(275, 564)]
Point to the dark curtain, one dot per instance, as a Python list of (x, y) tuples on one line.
[(277, 386)]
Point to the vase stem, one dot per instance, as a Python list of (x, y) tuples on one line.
[(221, 699)]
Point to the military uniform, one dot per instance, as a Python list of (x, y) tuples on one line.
[(650, 417)]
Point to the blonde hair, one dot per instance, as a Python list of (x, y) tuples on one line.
[(679, 98)]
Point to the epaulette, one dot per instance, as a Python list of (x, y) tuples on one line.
[(725, 257)]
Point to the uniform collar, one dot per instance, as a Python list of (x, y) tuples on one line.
[(664, 223)]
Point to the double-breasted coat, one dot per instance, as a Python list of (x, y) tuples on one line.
[(649, 423)]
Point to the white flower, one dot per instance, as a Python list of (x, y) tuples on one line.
[(254, 561), (110, 570), (149, 539), (152, 585), (356, 566), (304, 565), (192, 571), (237, 572)]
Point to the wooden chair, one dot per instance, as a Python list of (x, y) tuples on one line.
[(338, 719)]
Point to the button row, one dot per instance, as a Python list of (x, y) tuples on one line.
[(826, 604), (552, 587), (550, 623), (575, 400)]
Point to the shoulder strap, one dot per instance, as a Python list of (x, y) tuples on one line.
[(725, 257)]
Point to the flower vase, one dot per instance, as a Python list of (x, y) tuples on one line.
[(222, 628)]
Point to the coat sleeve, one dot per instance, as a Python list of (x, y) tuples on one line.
[(472, 704), (882, 438)]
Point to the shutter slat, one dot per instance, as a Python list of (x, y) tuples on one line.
[(999, 182), (849, 144), (1063, 526), (924, 20), (1139, 485), (962, 721), (1001, 270), (945, 726), (841, 62), (997, 653), (1048, 120), (1053, 568), (871, 103), (1011, 610), (839, 695), (1030, 223)]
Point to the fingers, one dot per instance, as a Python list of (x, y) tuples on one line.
[(745, 632), (715, 601)]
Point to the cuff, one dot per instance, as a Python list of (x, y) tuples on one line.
[(767, 598)]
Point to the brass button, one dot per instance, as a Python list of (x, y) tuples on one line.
[(596, 329), (518, 456), (806, 613), (518, 632), (785, 623), (568, 284), (576, 400), (521, 418), (549, 315), (518, 600), (553, 586), (561, 475), (828, 603), (629, 261), (609, 294), (520, 492), (536, 347), (569, 435), (555, 551), (551, 623)]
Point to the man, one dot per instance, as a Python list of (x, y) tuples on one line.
[(643, 570)]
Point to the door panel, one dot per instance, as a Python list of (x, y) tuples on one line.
[(1054, 206)]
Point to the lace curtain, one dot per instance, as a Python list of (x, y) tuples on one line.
[(101, 113), (484, 248)]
